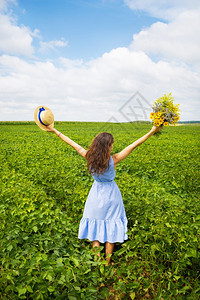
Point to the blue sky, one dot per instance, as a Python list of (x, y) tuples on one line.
[(89, 27), (86, 59)]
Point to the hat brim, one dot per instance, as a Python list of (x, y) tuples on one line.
[(37, 121)]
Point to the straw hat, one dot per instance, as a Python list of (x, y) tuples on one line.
[(43, 117)]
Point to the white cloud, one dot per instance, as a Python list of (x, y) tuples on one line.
[(18, 39), (52, 45), (177, 40), (4, 4), (68, 63), (95, 90), (164, 9), (14, 39)]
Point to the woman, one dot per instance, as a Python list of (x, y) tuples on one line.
[(104, 218)]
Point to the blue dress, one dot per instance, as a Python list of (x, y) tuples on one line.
[(104, 218)]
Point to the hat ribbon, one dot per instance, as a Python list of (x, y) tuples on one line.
[(40, 110)]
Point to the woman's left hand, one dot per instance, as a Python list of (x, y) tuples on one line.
[(155, 129)]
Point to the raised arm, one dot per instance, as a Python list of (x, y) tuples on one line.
[(126, 151), (70, 142)]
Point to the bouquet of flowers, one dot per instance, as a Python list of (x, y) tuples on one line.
[(164, 111)]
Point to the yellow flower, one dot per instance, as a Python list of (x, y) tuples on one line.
[(156, 123), (151, 115), (166, 124)]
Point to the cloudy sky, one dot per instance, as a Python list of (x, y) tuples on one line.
[(98, 60)]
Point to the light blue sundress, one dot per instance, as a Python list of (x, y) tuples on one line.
[(104, 218)]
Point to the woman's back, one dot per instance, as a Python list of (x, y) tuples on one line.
[(108, 175)]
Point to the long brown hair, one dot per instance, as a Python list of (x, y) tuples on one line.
[(98, 154)]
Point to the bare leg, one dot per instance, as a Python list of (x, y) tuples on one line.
[(109, 250), (96, 244)]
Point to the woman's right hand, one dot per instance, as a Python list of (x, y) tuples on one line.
[(51, 129)]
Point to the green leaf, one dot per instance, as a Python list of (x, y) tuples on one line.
[(102, 269), (9, 248), (35, 229), (75, 261), (92, 290), (21, 291), (49, 277), (51, 289), (177, 277), (87, 271), (29, 289), (132, 295)]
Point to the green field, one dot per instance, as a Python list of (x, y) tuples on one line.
[(44, 185)]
